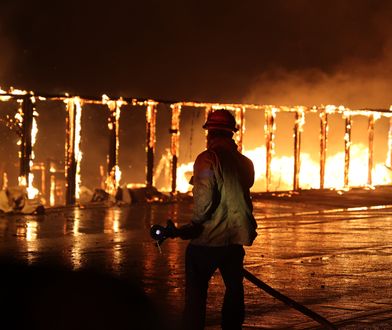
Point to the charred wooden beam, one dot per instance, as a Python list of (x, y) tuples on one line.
[(48, 174), (299, 118), (112, 154), (151, 114), (347, 147), (389, 156), (27, 111), (269, 141), (207, 111), (174, 144), (240, 119), (71, 153), (113, 173), (323, 145), (371, 148)]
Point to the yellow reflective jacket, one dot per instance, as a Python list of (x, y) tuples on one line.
[(222, 177)]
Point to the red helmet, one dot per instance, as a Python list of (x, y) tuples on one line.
[(221, 120)]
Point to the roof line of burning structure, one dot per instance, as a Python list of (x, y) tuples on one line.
[(20, 94), (25, 121)]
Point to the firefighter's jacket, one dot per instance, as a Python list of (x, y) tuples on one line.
[(222, 177)]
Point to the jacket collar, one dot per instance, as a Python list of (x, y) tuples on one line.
[(222, 142)]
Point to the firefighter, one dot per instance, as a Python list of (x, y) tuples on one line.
[(221, 225)]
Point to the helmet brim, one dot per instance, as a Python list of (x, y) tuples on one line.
[(220, 128)]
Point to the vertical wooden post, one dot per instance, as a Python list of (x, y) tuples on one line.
[(323, 145), (73, 154), (240, 119), (347, 147), (389, 156), (48, 175), (113, 172), (112, 154), (206, 113), (269, 141), (26, 114), (150, 141), (299, 119), (4, 183), (70, 161), (174, 144), (370, 148)]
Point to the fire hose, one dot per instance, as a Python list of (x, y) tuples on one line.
[(160, 234)]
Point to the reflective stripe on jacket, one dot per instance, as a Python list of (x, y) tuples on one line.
[(222, 177)]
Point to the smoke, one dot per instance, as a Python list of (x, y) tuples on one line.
[(357, 80), (361, 86), (356, 84), (7, 54), (354, 69), (7, 46)]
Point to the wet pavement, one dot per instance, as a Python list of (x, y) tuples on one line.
[(330, 251)]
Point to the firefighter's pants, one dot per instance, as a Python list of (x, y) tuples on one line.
[(200, 264)]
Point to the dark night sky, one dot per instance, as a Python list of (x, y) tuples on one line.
[(282, 52)]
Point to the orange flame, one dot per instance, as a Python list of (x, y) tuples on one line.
[(282, 169)]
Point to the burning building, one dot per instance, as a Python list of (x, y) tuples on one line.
[(59, 179)]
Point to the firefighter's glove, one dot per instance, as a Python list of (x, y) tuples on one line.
[(171, 230), (190, 231), (185, 232)]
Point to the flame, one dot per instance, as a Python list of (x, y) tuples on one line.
[(4, 98), (78, 152), (52, 196), (5, 181), (269, 169), (389, 156), (112, 182), (184, 172), (282, 171), (163, 167), (183, 185), (12, 91), (32, 192), (74, 109), (135, 185), (278, 172)]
